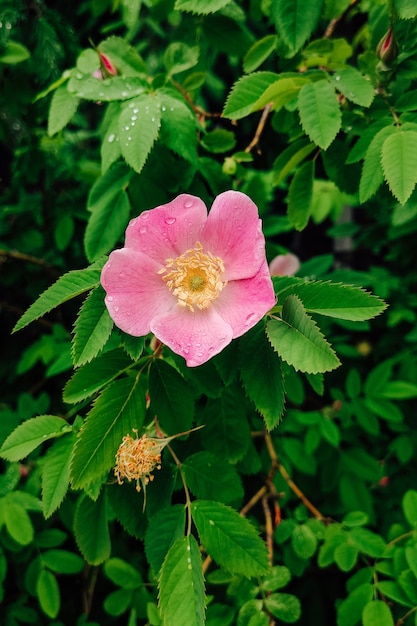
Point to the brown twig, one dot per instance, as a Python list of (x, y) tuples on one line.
[(199, 111), (260, 128), (90, 576), (21, 256), (336, 20)]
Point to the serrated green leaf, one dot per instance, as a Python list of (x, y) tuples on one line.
[(278, 578), (210, 478), (331, 299), (31, 434), (320, 113), (91, 529), (62, 108), (92, 328), (300, 195), (181, 585), (196, 6), (68, 286), (405, 9), (354, 86), (267, 391), (48, 593), (295, 20), (179, 57), (284, 606), (259, 52), (245, 92), (122, 573), (56, 474), (409, 505), (124, 56), (289, 158), (164, 528), (280, 92), (377, 613), (86, 86), (105, 227), (230, 539), (298, 341), (16, 519), (178, 127), (171, 398), (399, 154), (138, 130), (372, 176), (117, 411), (91, 377)]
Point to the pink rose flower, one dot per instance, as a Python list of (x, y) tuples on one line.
[(284, 265), (195, 281)]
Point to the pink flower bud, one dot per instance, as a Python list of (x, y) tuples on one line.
[(387, 49), (108, 69), (284, 265)]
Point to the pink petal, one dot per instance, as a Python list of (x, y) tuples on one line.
[(284, 265), (135, 291), (233, 232), (242, 303), (196, 336), (168, 230)]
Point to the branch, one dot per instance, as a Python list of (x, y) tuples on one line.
[(335, 21), (259, 129)]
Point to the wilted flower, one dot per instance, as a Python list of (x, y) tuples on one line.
[(137, 458), (195, 281), (284, 265)]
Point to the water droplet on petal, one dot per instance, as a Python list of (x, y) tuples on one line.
[(188, 204), (110, 298), (116, 308), (170, 220), (145, 215), (142, 230), (250, 319)]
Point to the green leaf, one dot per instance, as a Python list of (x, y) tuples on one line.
[(259, 52), (196, 6), (372, 175), (355, 518), (56, 474), (266, 392), (124, 56), (92, 328), (281, 92), (245, 92), (337, 300), (91, 377), (178, 127), (230, 539), (289, 158), (13, 52), (304, 541), (122, 573), (211, 478), (171, 398), (367, 542), (91, 529), (298, 341), (116, 88), (284, 606), (300, 195), (411, 556), (68, 286), (399, 390), (349, 611), (62, 108), (48, 593), (117, 411), (405, 9), (16, 519), (219, 140), (138, 130), (409, 505), (179, 57), (320, 114), (278, 578), (399, 153), (62, 561), (354, 86), (377, 613), (392, 590), (345, 557), (181, 585), (31, 434), (295, 21), (164, 528)]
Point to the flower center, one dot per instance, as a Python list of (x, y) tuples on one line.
[(194, 277)]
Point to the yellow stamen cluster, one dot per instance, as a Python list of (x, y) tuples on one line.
[(137, 458), (194, 277)]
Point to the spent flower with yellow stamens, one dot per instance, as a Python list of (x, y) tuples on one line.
[(137, 457)]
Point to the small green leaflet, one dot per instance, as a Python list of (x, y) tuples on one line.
[(300, 195), (406, 9), (377, 613), (116, 88), (409, 505), (164, 528), (139, 125), (354, 86), (320, 113), (372, 175), (230, 539), (118, 410), (298, 340), (295, 20), (63, 106), (181, 585), (281, 92), (336, 300), (399, 156), (68, 286), (91, 529), (289, 158), (284, 606), (92, 328), (122, 573), (178, 126), (31, 434), (202, 8), (179, 57), (259, 52), (210, 477), (245, 92), (47, 591), (56, 474), (171, 399), (266, 391)]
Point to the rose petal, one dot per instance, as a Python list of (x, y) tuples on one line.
[(135, 291), (233, 232), (196, 336), (284, 265), (168, 230), (242, 303)]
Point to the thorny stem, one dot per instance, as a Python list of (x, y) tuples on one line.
[(259, 129), (186, 490)]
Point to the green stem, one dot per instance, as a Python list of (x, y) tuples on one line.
[(186, 490)]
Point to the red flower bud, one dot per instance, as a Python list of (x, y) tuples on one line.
[(387, 49), (108, 69)]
